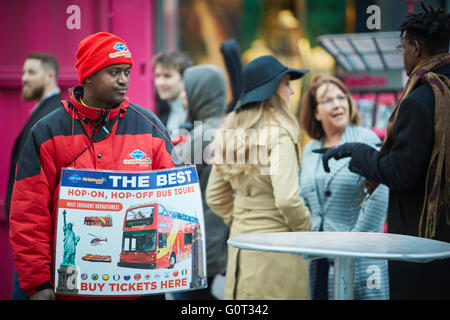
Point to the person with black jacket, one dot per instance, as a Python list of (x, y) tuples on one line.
[(205, 97), (414, 160), (39, 83)]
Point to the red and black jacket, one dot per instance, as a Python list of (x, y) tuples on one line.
[(80, 137)]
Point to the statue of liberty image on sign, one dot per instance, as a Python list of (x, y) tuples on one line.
[(70, 243), (68, 270)]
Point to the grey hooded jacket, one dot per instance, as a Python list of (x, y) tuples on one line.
[(206, 91)]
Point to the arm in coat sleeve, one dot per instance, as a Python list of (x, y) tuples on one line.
[(219, 196), (164, 153), (306, 151), (373, 211), (284, 174), (407, 161), (31, 221), (374, 208)]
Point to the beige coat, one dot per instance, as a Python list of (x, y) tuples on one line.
[(260, 203)]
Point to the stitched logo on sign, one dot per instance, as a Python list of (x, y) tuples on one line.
[(138, 159)]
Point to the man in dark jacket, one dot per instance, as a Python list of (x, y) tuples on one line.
[(414, 160), (98, 129), (39, 83)]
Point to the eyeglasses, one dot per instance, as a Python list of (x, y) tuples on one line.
[(329, 100), (400, 48)]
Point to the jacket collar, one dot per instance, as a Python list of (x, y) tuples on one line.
[(349, 135), (336, 166), (91, 113)]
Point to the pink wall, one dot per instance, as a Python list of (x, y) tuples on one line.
[(28, 25)]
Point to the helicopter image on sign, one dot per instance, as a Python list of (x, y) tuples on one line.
[(96, 241)]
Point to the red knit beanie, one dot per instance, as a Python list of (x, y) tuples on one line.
[(98, 51)]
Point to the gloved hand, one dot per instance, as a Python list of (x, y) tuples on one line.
[(46, 294), (339, 152)]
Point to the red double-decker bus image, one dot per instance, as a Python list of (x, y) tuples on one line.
[(155, 237)]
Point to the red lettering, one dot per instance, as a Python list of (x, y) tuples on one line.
[(163, 193), (119, 195), (366, 81), (83, 286), (153, 285)]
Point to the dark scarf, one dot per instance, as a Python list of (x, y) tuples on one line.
[(437, 189)]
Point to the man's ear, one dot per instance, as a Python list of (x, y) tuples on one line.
[(418, 50), (51, 75)]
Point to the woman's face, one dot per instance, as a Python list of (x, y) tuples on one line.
[(284, 90), (333, 109)]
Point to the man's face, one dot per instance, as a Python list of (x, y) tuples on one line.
[(109, 85), (168, 82), (410, 55), (34, 80)]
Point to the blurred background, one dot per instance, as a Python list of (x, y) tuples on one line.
[(350, 39)]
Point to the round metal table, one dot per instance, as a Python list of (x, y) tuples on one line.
[(344, 247)]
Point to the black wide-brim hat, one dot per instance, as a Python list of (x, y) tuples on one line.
[(261, 78)]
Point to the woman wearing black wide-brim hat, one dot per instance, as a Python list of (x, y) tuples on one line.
[(253, 184)]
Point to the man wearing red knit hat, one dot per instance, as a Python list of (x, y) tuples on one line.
[(97, 129)]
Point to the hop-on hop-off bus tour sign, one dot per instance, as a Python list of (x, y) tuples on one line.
[(122, 233)]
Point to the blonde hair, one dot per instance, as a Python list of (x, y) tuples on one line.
[(242, 124)]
